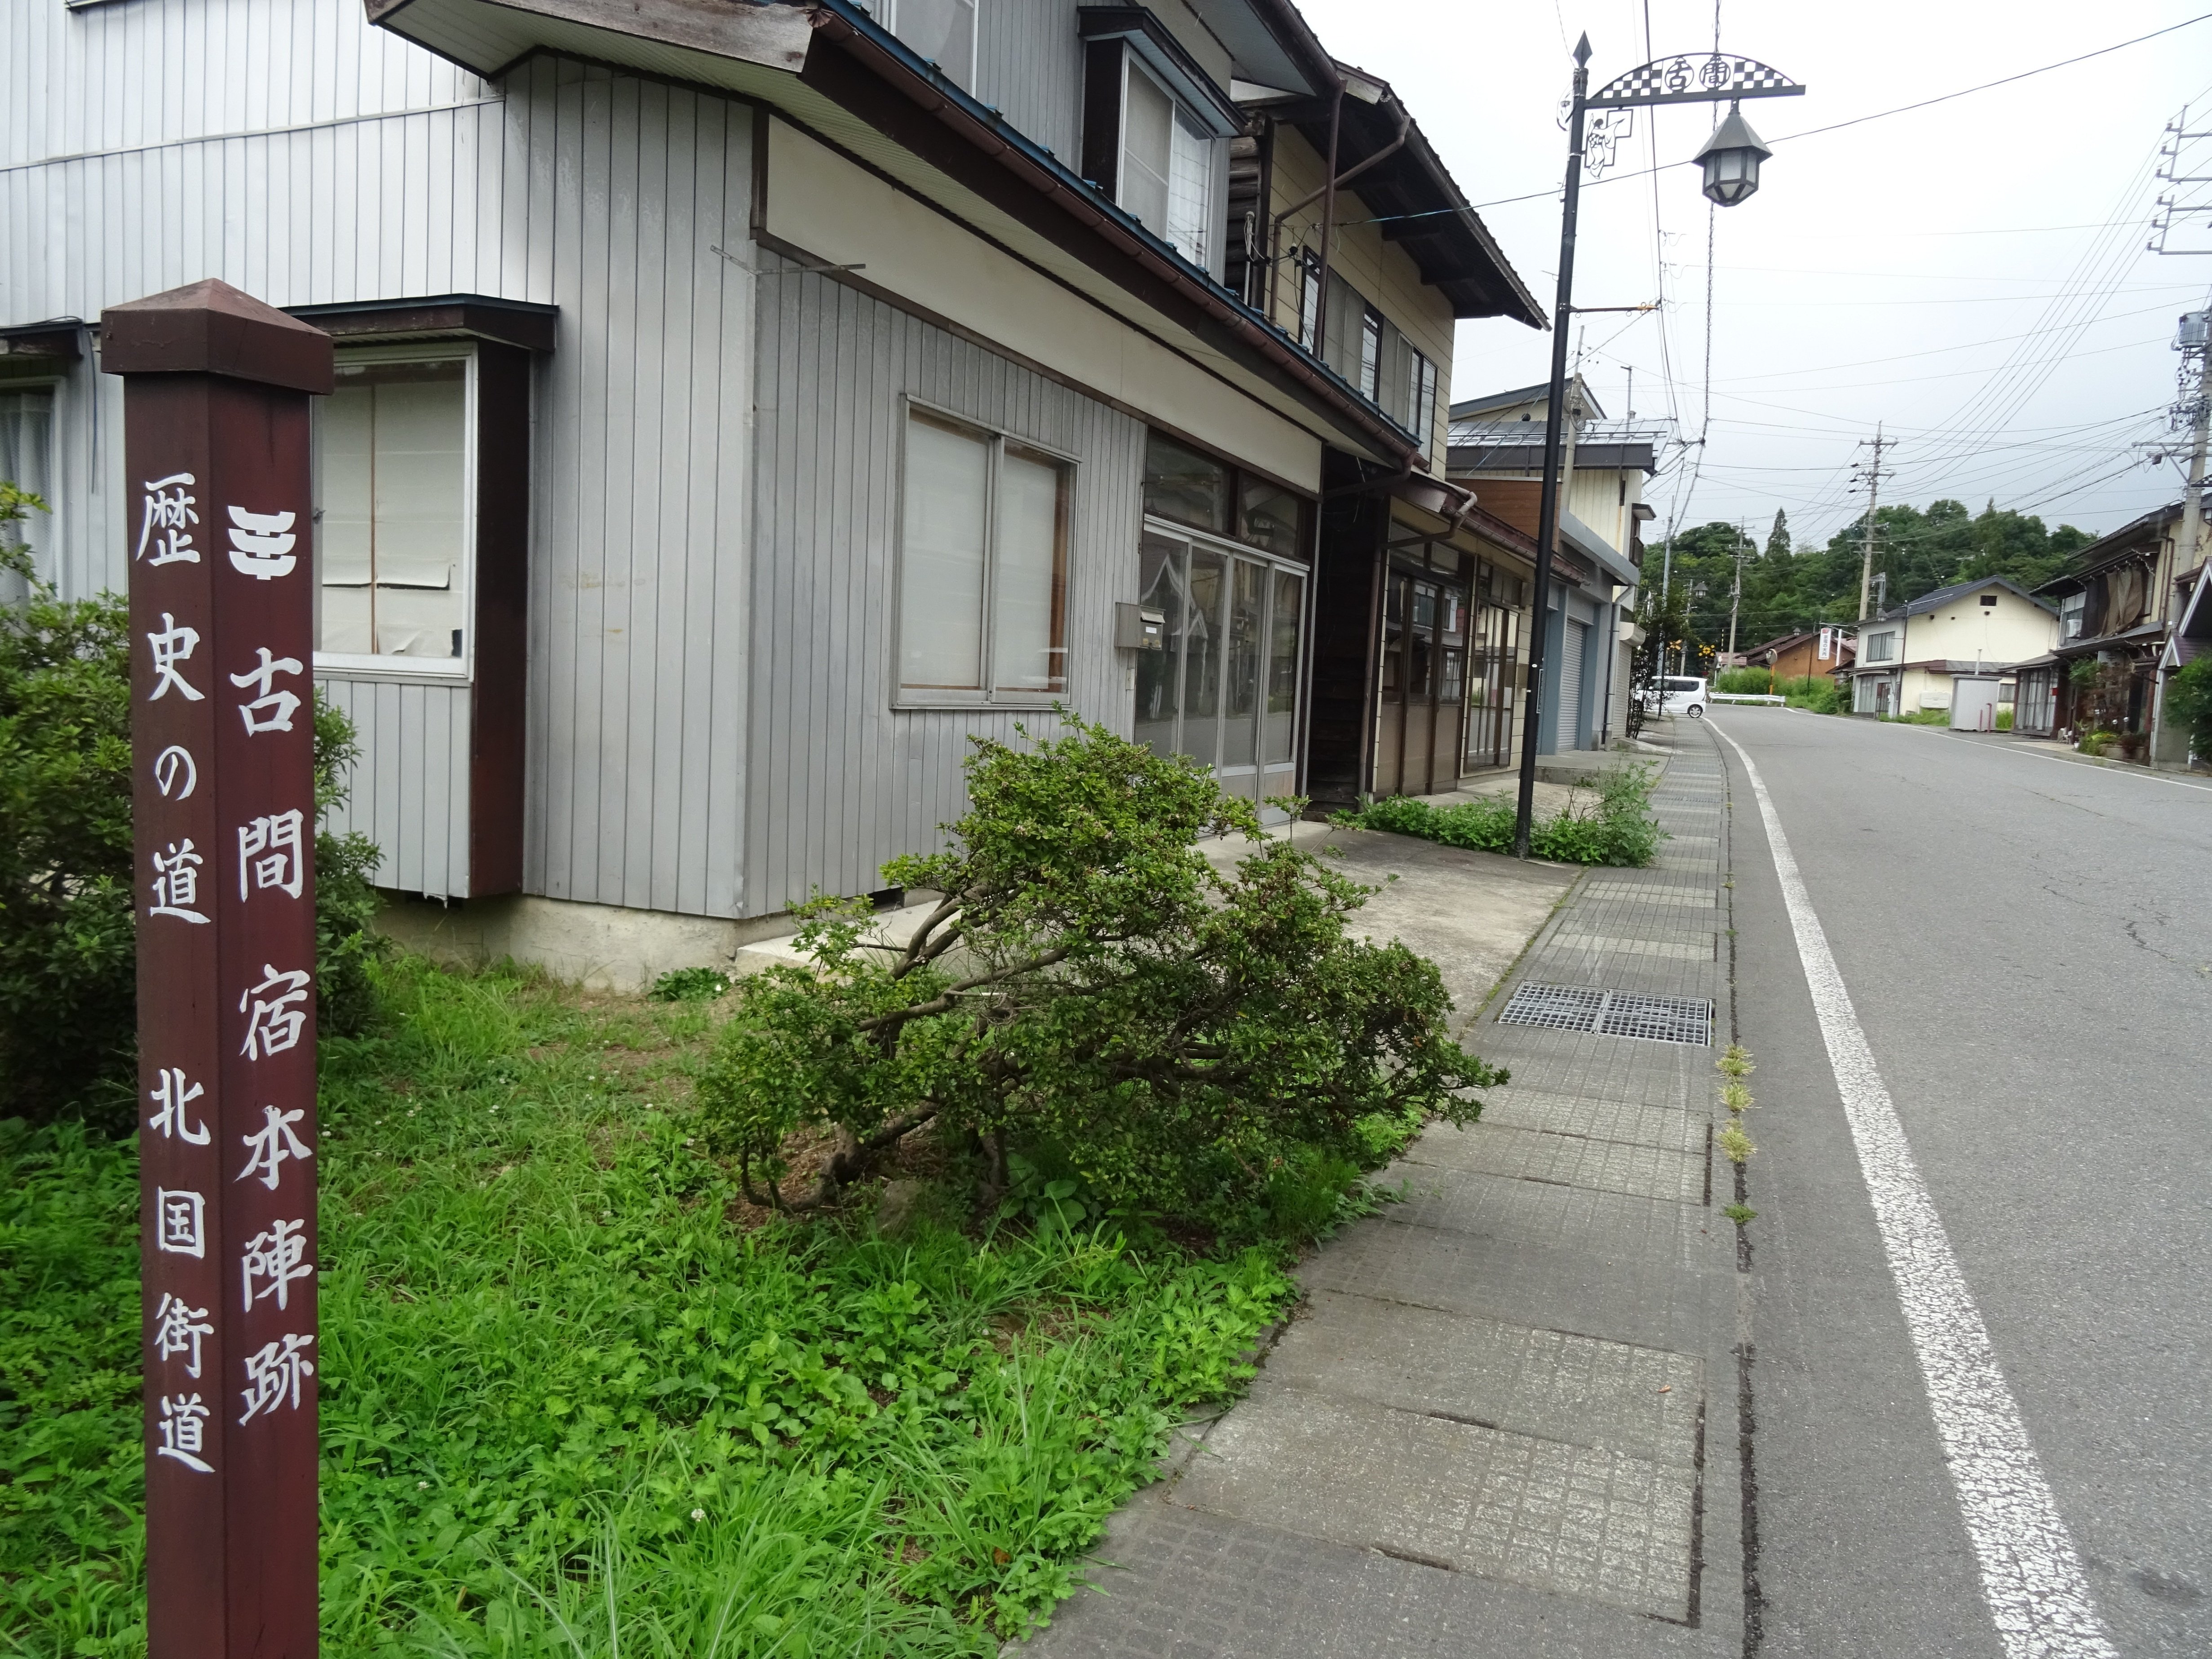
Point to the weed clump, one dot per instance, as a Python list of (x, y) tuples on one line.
[(1616, 828)]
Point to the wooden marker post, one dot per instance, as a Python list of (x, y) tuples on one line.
[(215, 459)]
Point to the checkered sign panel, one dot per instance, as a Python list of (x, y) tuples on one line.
[(1696, 80)]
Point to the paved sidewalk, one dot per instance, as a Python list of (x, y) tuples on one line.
[(1506, 1420)]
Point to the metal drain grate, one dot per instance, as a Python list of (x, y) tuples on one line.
[(1555, 1007), (1658, 1019), (1612, 1013)]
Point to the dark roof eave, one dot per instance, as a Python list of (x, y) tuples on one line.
[(884, 58)]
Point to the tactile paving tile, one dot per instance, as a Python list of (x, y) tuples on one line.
[(1576, 1520)]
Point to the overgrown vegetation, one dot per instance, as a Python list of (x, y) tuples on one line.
[(1746, 682), (579, 1398), (1615, 828), (1090, 984), (2189, 703), (1816, 692), (68, 995)]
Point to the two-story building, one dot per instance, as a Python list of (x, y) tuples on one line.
[(1808, 653), (1910, 655), (2119, 601), (741, 406), (1497, 450)]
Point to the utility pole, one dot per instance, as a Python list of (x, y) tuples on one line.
[(1872, 474), (1735, 599)]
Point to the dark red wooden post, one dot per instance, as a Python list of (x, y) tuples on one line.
[(215, 459)]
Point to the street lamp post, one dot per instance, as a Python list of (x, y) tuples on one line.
[(1730, 159)]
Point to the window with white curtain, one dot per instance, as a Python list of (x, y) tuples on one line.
[(27, 461), (983, 567), (942, 31), (393, 511), (1370, 353), (1167, 164)]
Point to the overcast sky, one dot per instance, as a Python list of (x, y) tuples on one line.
[(1885, 272)]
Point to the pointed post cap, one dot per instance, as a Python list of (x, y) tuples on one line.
[(209, 327), (1582, 48)]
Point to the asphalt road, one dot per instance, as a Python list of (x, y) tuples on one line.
[(2027, 944)]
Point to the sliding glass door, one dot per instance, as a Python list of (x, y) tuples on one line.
[(1225, 690)]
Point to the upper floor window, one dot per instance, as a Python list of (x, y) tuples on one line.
[(1880, 647), (27, 444), (942, 31), (1156, 132), (1371, 352), (2071, 609), (1421, 395), (1310, 300), (983, 567), (1167, 165), (394, 488)]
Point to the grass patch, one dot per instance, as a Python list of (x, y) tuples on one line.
[(1919, 717), (1615, 828), (579, 1399)]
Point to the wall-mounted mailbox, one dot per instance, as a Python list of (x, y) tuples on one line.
[(1136, 629)]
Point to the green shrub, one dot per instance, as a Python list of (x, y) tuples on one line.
[(1091, 984), (2189, 702), (1617, 828), (1815, 691), (2004, 720), (1746, 682), (67, 993)]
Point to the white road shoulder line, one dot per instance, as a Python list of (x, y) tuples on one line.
[(2031, 1576)]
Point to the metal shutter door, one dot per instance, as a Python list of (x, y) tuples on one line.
[(1570, 684)]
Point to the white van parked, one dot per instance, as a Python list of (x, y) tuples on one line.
[(1678, 696)]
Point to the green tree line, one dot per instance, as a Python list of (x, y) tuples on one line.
[(1787, 589)]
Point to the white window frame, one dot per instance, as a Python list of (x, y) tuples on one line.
[(438, 670), (2072, 610), (1179, 113), (1421, 393), (1881, 645), (989, 696), (1370, 353), (886, 13)]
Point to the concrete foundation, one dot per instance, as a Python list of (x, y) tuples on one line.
[(602, 947)]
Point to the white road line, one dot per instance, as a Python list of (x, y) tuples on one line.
[(2061, 760), (2030, 1574)]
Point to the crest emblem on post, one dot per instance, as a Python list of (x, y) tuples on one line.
[(261, 543)]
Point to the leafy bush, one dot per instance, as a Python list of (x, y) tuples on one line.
[(2004, 720), (1816, 692), (643, 1423), (1617, 828), (1091, 984), (2189, 702), (1746, 682), (68, 993)]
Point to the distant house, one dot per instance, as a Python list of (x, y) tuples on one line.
[(1800, 656), (2120, 604), (1498, 447), (1909, 656)]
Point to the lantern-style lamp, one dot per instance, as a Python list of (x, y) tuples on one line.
[(1731, 158)]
